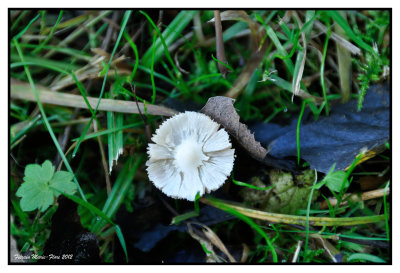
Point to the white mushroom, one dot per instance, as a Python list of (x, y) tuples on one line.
[(189, 155)]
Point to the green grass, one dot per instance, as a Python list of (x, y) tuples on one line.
[(50, 45)]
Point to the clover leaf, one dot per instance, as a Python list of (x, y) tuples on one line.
[(42, 185)]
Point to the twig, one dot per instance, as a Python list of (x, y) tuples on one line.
[(220, 44), (356, 197), (110, 31), (23, 91), (291, 219), (296, 254), (78, 31)]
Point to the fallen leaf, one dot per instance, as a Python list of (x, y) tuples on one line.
[(338, 138), (221, 110), (288, 195)]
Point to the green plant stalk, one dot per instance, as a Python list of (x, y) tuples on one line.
[(41, 45), (19, 18), (181, 82), (183, 217), (118, 191), (55, 68), (206, 251), (125, 21), (158, 75), (170, 33), (79, 31), (243, 184), (348, 172), (110, 131), (82, 91), (337, 18), (308, 218), (16, 37), (293, 219), (24, 130), (45, 120), (328, 34), (23, 217), (135, 51), (68, 51), (98, 32), (223, 64), (69, 23), (153, 97), (280, 48), (204, 77), (145, 58), (303, 106)]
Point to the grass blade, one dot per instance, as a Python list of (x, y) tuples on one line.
[(50, 35), (328, 35), (336, 17), (124, 22), (45, 120), (16, 37), (119, 190), (303, 107), (365, 257), (170, 34)]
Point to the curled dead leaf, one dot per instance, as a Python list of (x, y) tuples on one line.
[(221, 110)]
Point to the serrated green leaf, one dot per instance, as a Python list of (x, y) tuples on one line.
[(42, 185), (35, 195), (35, 172), (32, 172), (335, 181), (47, 170), (61, 182)]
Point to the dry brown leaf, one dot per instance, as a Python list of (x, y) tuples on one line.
[(209, 240), (211, 257), (215, 240), (221, 110)]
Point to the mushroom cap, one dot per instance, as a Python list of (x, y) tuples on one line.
[(191, 154)]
